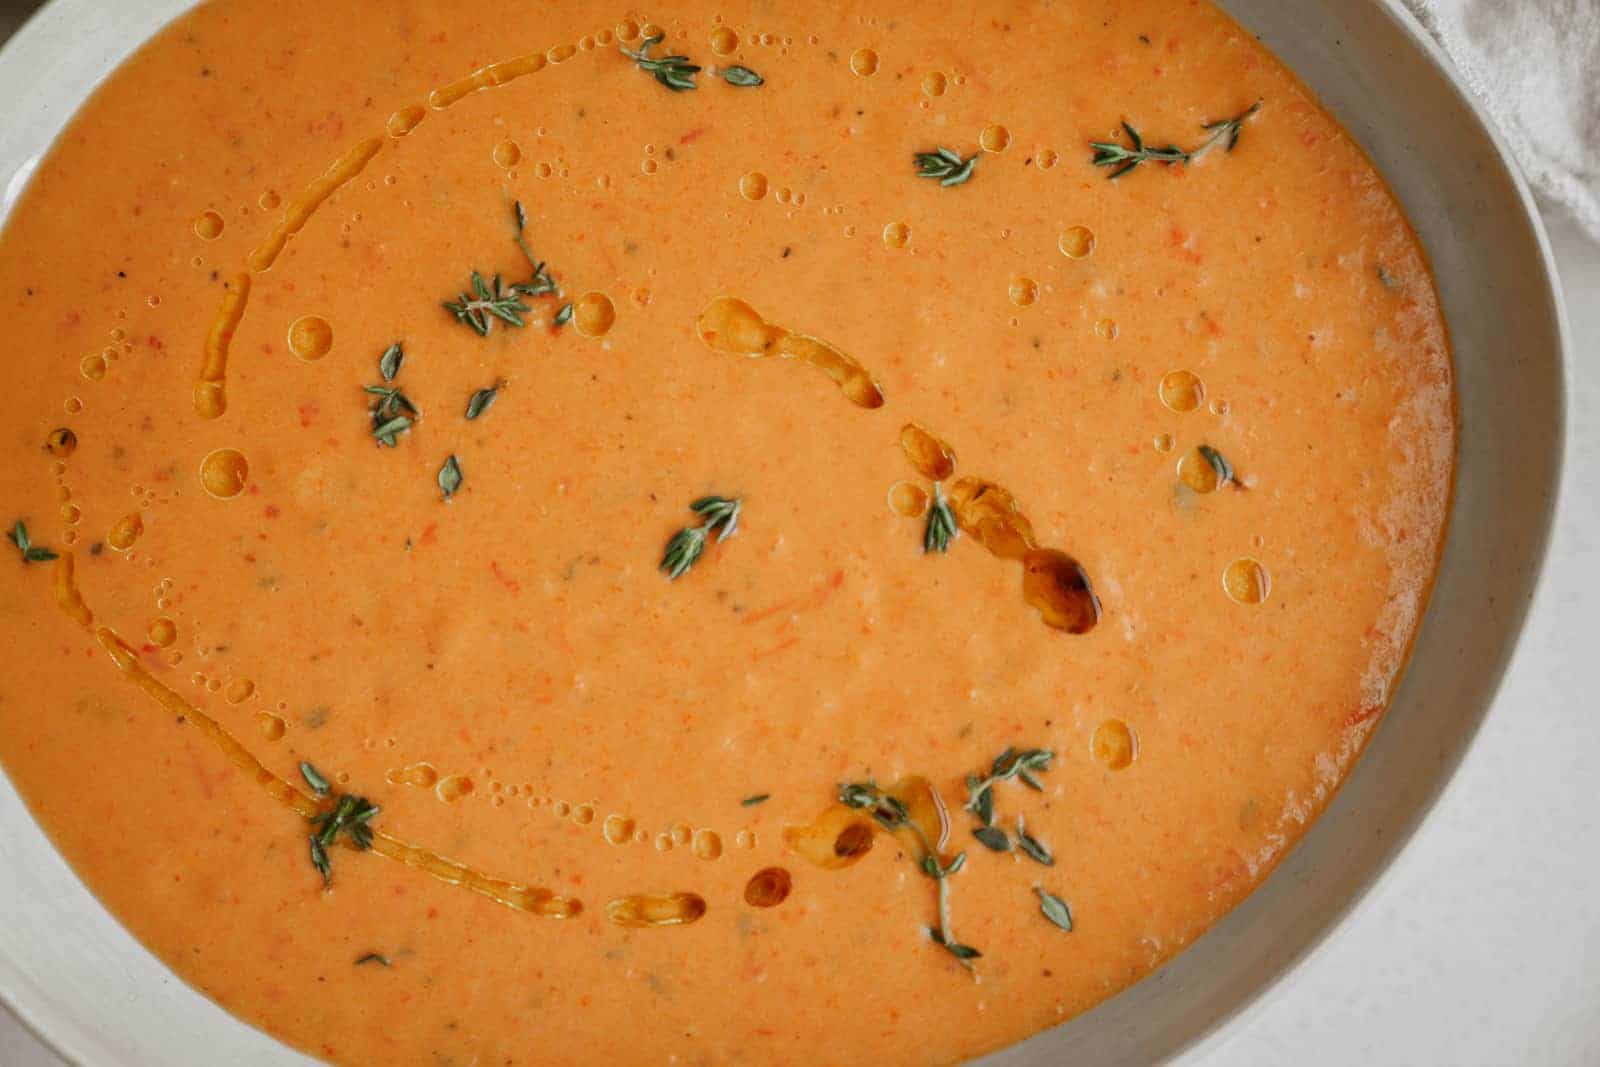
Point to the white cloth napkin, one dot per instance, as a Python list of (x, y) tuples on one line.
[(1535, 64)]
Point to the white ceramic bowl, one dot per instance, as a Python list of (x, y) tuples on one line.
[(90, 989)]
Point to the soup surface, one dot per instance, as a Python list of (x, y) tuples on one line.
[(852, 553)]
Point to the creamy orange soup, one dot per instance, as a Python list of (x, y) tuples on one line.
[(1068, 421)]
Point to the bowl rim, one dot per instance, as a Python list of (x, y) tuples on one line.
[(51, 1028)]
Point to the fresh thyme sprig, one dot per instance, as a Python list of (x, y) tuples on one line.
[(892, 815), (392, 413), (1124, 159), (31, 553), (687, 545), (1006, 766), (675, 72), (486, 301), (941, 528), (945, 165), (350, 815)]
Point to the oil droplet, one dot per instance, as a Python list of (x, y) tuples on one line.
[(585, 43), (73, 405), (1047, 158), (268, 200), (310, 337), (239, 690), (617, 829), (125, 532), (994, 138), (223, 473), (1195, 471), (641, 836), (782, 195), (593, 314), (627, 29), (420, 775), (1246, 581), (1219, 407), (603, 38), (1077, 242), (1024, 291), (583, 814), (724, 41), (1113, 745), (934, 83), (163, 632), (1163, 442), (864, 61), (271, 727), (896, 234), (213, 685), (663, 842), (707, 844), (1106, 329), (1181, 391), (799, 199), (208, 226), (561, 809), (61, 443), (753, 186), (507, 154), (642, 297), (93, 367), (648, 166), (908, 500), (71, 513), (453, 788), (405, 120), (561, 53), (768, 887), (646, 910), (542, 170), (681, 833)]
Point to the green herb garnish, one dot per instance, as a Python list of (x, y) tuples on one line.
[(941, 528), (945, 165), (319, 785), (993, 838), (389, 363), (685, 548), (450, 476), (1033, 846), (742, 76), (892, 815), (349, 816), (482, 400), (675, 72), (374, 957), (759, 798), (564, 315), (1055, 909), (1124, 159), (1221, 466), (1008, 765), (31, 553), (491, 300)]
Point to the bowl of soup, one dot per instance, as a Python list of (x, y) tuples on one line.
[(849, 533)]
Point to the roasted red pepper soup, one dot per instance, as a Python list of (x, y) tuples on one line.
[(717, 534)]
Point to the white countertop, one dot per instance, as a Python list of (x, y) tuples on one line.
[(1481, 944)]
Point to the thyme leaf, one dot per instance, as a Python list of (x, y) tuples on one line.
[(1035, 848), (389, 363), (482, 400), (941, 528), (759, 798), (450, 476), (675, 72), (742, 76), (31, 553), (993, 838), (945, 165), (374, 957), (1125, 158), (1055, 909), (319, 785), (564, 315), (1223, 469), (721, 516)]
